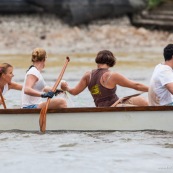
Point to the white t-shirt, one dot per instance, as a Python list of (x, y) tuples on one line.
[(39, 86), (158, 93)]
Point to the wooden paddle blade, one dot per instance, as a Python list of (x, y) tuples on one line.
[(3, 102), (125, 98), (42, 120)]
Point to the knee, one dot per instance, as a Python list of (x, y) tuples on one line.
[(61, 103), (140, 101)]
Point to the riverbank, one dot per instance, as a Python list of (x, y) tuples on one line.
[(19, 34)]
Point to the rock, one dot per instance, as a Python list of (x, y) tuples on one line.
[(74, 12), (20, 34)]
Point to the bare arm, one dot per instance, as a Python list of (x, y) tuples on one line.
[(30, 81), (14, 85), (169, 87), (125, 82), (47, 88), (83, 83)]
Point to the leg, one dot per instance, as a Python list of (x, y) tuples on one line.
[(138, 101), (55, 103)]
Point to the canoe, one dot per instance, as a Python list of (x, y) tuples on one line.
[(90, 119)]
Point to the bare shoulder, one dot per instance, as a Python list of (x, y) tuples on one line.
[(117, 76), (114, 74), (86, 77), (87, 74)]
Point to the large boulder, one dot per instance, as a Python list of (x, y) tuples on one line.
[(75, 11), (17, 6), (84, 11)]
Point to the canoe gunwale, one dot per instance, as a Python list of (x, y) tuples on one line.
[(88, 109)]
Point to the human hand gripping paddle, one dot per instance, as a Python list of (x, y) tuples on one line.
[(42, 120), (2, 99)]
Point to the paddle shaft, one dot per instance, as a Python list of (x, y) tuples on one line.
[(61, 75), (125, 98), (3, 102), (42, 120)]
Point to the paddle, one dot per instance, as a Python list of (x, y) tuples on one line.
[(42, 120), (3, 102), (125, 98)]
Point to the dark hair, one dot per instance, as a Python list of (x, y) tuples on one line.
[(105, 57), (38, 54), (168, 52), (4, 67)]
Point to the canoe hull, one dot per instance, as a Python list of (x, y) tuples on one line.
[(90, 119)]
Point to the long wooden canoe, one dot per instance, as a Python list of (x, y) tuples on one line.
[(90, 119)]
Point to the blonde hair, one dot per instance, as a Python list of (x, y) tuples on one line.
[(4, 67), (38, 54)]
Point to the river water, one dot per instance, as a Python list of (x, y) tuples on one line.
[(85, 152)]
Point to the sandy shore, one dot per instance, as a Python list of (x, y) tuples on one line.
[(20, 34)]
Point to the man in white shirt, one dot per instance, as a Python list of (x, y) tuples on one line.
[(161, 83)]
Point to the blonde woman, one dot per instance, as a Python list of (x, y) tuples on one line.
[(6, 75), (34, 88)]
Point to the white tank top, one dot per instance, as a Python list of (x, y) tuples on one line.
[(39, 86), (5, 89)]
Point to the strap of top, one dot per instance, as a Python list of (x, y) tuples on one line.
[(30, 67)]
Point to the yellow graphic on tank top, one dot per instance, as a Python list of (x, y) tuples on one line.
[(95, 90)]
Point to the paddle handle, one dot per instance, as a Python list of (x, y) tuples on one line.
[(3, 102), (125, 98)]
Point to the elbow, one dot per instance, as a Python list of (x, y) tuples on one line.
[(26, 91), (20, 88), (73, 92)]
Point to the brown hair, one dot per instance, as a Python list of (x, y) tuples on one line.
[(168, 52), (38, 54), (4, 67), (105, 57)]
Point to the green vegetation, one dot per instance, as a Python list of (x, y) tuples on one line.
[(154, 3)]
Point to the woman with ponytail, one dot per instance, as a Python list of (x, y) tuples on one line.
[(6, 83), (34, 88)]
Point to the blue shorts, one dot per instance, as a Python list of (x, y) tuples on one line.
[(170, 104), (30, 107)]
